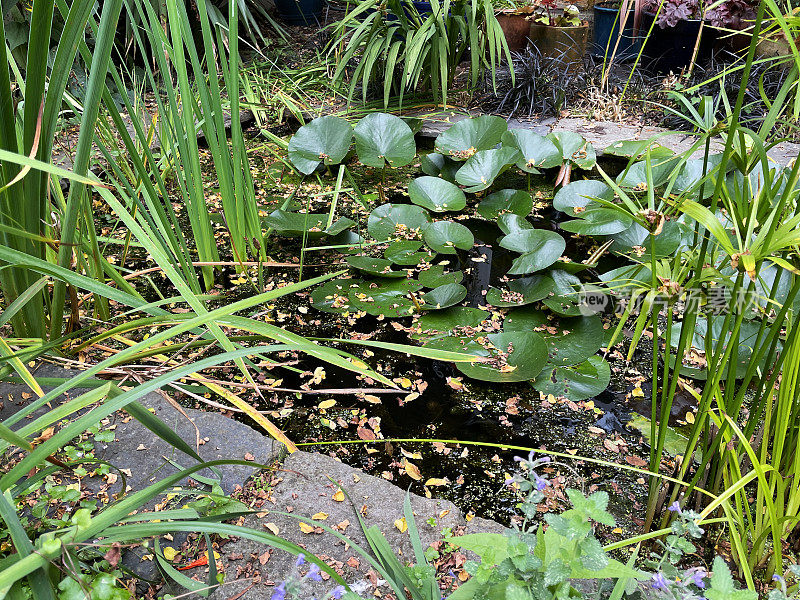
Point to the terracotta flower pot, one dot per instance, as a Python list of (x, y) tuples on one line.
[(516, 27), (564, 43)]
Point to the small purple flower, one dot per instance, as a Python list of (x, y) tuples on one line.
[(509, 482), (675, 507), (697, 576), (301, 560), (659, 582), (313, 573), (280, 592), (337, 592), (541, 482), (777, 577)]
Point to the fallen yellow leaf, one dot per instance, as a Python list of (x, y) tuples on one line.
[(320, 516), (413, 471), (339, 496), (433, 481), (327, 404), (169, 552), (401, 525), (272, 527), (306, 528)]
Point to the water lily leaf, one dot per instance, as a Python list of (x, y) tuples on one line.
[(382, 138), (397, 220), (390, 299), (539, 249), (578, 195), (691, 175), (748, 335), (444, 296), (598, 221), (575, 383), (571, 341), (637, 149), (295, 224), (445, 322), (446, 236), (439, 165), (635, 176), (517, 202), (333, 296), (565, 264), (666, 243), (380, 267), (407, 253), (482, 168), (324, 140), (516, 355), (566, 306), (524, 290), (510, 222), (349, 242), (469, 136), (434, 276), (436, 194), (574, 148), (536, 151)]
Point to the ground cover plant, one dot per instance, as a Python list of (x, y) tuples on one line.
[(499, 260)]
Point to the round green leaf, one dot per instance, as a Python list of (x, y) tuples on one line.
[(516, 355), (637, 148), (539, 249), (666, 243), (434, 276), (574, 148), (446, 322), (536, 151), (566, 306), (380, 267), (524, 290), (295, 224), (598, 221), (444, 296), (579, 194), (436, 194), (575, 383), (390, 298), (396, 220), (407, 253), (510, 222), (439, 165), (382, 138), (333, 296), (468, 136), (517, 202), (446, 236), (323, 140), (635, 176), (481, 169)]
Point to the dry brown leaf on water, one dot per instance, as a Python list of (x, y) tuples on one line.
[(413, 471)]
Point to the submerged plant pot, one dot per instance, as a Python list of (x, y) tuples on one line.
[(606, 28), (671, 48), (516, 28), (567, 44), (299, 12)]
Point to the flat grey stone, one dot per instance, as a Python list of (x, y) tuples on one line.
[(306, 489)]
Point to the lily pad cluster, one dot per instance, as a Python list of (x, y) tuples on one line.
[(545, 339)]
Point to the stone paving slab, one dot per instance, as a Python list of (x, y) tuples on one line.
[(308, 483)]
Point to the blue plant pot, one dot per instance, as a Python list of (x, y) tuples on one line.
[(606, 27), (299, 12)]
